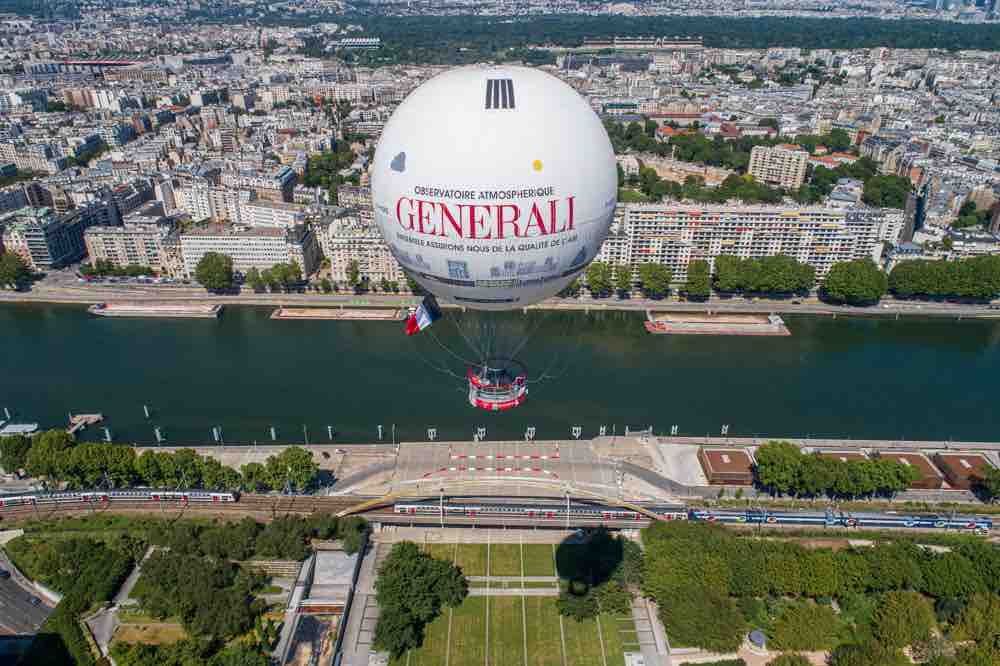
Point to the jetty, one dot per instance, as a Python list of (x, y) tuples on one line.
[(714, 323), (78, 422), (168, 310), (350, 314)]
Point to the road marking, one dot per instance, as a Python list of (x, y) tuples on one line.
[(600, 637)]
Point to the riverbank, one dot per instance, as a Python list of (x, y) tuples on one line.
[(73, 294)]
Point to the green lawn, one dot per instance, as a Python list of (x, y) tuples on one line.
[(544, 638), (583, 645), (538, 559), (471, 558), (435, 643), (468, 632), (442, 551), (505, 559), (615, 638), (506, 631), (508, 619)]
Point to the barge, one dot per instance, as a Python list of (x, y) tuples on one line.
[(708, 323), (169, 310)]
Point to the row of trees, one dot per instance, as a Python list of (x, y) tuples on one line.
[(713, 585), (977, 278), (57, 457), (783, 469), (104, 268), (778, 274), (280, 276)]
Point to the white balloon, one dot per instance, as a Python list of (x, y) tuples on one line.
[(494, 186)]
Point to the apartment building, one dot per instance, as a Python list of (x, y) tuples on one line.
[(782, 166), (276, 185), (46, 240), (147, 238), (271, 214), (674, 234), (251, 247), (350, 236)]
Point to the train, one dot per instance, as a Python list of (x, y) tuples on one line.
[(106, 496), (978, 524), (554, 511)]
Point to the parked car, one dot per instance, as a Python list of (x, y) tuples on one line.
[(4, 574)]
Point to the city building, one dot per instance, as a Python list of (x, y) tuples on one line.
[(146, 238), (251, 247), (782, 166), (44, 239), (272, 214), (675, 234), (930, 477), (726, 466), (962, 470), (348, 237)]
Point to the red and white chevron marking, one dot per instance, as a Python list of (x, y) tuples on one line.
[(494, 470)]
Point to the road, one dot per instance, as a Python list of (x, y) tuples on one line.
[(17, 615), (63, 287)]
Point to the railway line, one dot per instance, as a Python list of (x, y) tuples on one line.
[(469, 511)]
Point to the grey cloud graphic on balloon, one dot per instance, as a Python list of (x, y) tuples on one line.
[(398, 163)]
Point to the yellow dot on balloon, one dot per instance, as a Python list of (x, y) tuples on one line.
[(537, 165)]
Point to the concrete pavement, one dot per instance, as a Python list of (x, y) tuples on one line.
[(63, 289)]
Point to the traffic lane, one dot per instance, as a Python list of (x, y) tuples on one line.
[(17, 613)]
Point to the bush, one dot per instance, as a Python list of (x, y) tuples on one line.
[(805, 626), (578, 606), (903, 618)]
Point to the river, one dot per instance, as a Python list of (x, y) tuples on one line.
[(845, 377)]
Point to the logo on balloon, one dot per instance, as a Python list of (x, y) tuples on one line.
[(398, 163)]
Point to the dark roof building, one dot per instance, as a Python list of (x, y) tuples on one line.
[(726, 466), (962, 469), (930, 477), (843, 456)]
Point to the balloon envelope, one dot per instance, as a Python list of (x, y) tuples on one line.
[(494, 186)]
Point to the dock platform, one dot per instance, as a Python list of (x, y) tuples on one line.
[(714, 323), (78, 422), (168, 310), (349, 314)]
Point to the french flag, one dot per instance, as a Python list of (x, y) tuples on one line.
[(427, 313)]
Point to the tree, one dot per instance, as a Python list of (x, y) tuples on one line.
[(577, 604), (989, 484), (903, 618), (855, 282), (14, 453), (293, 469), (655, 279), (806, 626), (326, 285), (353, 274), (599, 278), (778, 466), (979, 620), (254, 279), (886, 191), (13, 270), (870, 653), (699, 280), (411, 589), (214, 272), (623, 280), (46, 453)]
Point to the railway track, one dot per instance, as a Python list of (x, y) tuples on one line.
[(256, 506)]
